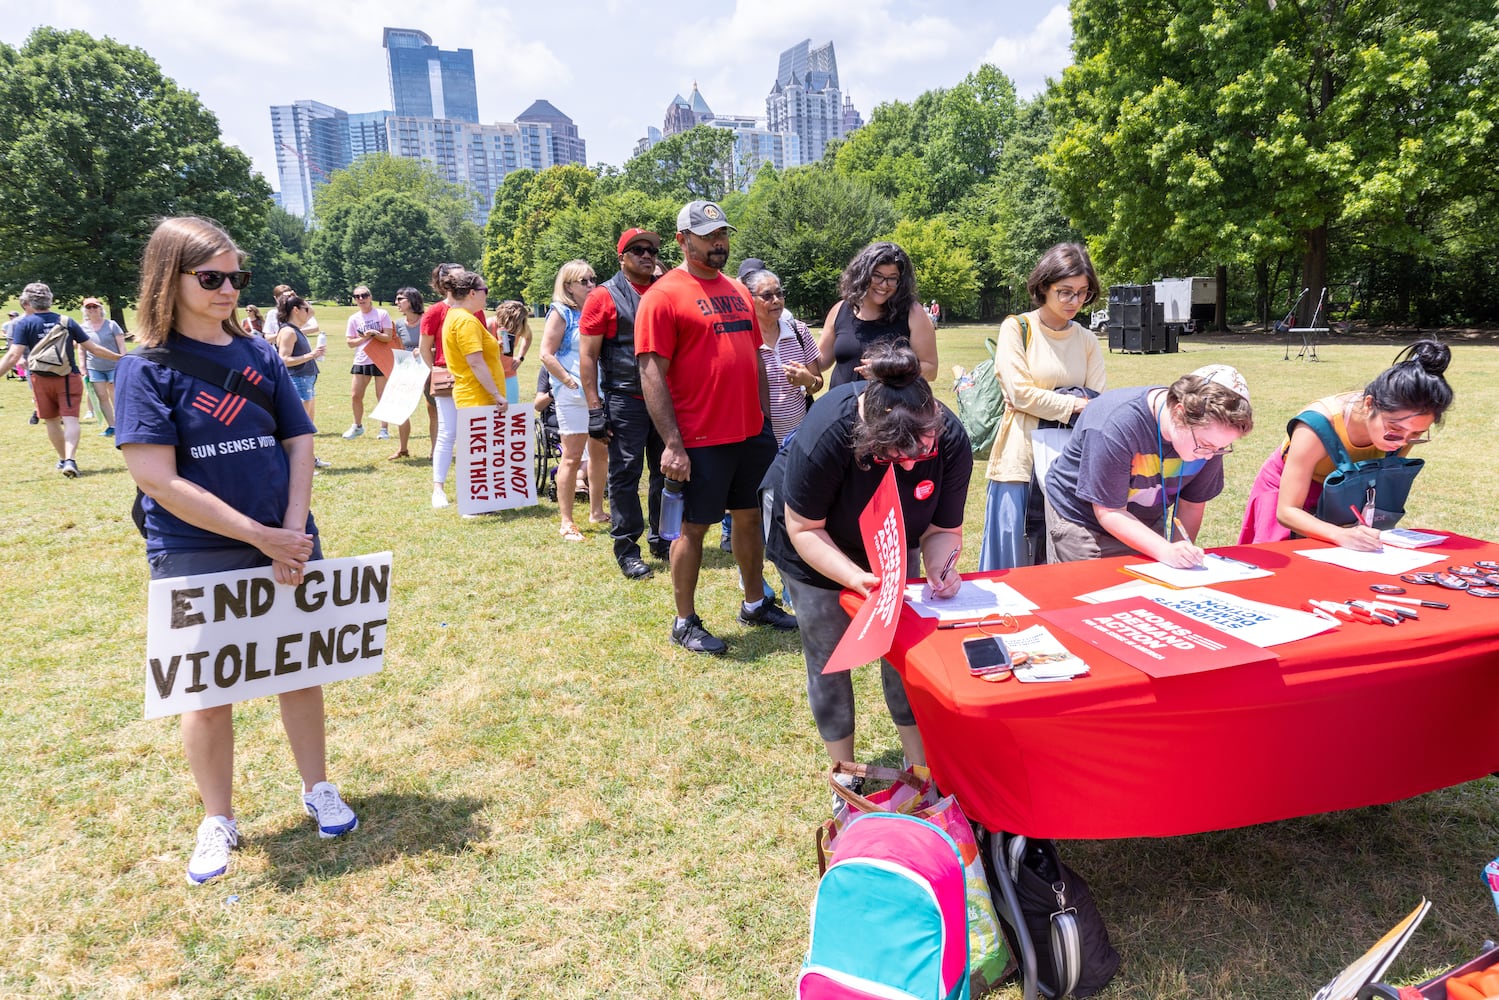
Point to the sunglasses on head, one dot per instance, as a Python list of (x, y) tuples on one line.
[(210, 280)]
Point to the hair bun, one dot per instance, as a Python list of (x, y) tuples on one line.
[(1432, 355)]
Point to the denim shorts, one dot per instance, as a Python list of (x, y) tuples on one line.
[(304, 386), (98, 376)]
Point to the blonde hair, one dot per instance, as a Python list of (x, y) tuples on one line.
[(178, 243), (511, 315), (567, 274)]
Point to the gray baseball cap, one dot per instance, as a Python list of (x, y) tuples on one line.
[(701, 218), (750, 265)]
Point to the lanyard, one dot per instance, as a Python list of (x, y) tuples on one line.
[(1168, 513)]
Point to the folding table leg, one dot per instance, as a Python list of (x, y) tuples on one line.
[(1009, 911)]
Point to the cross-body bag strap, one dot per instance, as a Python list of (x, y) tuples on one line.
[(1322, 427), (211, 372)]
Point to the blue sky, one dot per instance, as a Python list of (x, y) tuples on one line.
[(612, 66)]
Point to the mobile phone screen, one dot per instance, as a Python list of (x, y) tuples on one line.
[(986, 655)]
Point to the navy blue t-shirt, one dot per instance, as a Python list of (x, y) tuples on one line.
[(225, 443), (29, 330)]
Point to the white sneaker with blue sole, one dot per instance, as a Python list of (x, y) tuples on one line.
[(333, 815), (217, 837)]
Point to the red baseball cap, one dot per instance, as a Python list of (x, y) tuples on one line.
[(631, 235)]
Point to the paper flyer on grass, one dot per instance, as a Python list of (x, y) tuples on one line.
[(1371, 965), (870, 634), (218, 638), (1154, 639)]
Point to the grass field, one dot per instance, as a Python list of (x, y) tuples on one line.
[(556, 802)]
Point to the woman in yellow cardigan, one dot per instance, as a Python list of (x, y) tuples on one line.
[(1050, 366)]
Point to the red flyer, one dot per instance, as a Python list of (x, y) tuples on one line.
[(1155, 639), (872, 631)]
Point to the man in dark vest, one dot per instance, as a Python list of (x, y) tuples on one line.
[(609, 367)]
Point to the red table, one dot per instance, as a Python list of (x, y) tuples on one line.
[(1361, 715)]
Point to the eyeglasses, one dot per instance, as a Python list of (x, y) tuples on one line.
[(884, 280), (774, 296), (586, 281), (101, 307), (1197, 447), (642, 250), (210, 280), (1068, 295), (361, 295), (891, 460), (481, 288)]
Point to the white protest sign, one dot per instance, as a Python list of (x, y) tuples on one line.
[(496, 459), (218, 638), (403, 390)]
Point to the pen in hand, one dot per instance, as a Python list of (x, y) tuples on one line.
[(952, 560), (1182, 531)]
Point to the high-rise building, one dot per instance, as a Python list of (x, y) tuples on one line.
[(428, 82), (805, 99), (367, 133), (567, 145), (754, 145), (312, 141), (476, 155)]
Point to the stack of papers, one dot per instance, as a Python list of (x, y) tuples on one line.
[(975, 599), (1046, 658), (1214, 569), (1390, 561)]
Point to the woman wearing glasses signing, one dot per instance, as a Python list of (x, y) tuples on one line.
[(879, 305), (1392, 413), (1140, 466), (818, 486)]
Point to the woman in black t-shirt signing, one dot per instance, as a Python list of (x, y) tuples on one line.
[(879, 305), (822, 480)]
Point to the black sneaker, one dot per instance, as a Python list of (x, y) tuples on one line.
[(767, 614), (635, 568), (662, 552), (693, 637)]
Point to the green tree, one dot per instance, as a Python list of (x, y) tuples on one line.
[(698, 163), (945, 270), (1234, 134), (451, 206), (806, 224), (546, 195), (95, 146), (502, 264), (592, 234), (391, 241)]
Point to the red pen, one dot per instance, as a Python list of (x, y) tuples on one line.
[(1358, 516)]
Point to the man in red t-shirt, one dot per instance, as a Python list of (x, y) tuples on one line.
[(699, 350), (616, 403)]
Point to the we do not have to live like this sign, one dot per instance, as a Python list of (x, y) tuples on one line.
[(218, 638)]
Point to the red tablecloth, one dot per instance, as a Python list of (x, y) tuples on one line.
[(1361, 715)]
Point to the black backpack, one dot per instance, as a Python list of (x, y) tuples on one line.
[(1073, 953), (214, 374)]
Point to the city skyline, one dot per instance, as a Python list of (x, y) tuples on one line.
[(613, 74)]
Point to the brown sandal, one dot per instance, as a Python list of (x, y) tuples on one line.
[(403, 453)]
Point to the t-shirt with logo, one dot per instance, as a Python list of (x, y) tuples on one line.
[(1118, 459), (225, 443), (707, 329), (816, 475), (367, 323)]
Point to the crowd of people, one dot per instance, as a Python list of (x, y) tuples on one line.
[(709, 387)]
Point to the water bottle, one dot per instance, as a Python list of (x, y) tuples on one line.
[(671, 509), (322, 340)]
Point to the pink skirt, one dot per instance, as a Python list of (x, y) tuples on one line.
[(1260, 524)]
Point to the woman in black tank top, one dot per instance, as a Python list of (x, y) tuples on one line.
[(879, 304)]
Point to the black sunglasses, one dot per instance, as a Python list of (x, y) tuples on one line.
[(643, 250), (210, 280)]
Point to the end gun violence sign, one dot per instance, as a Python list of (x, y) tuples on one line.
[(496, 460), (218, 638)]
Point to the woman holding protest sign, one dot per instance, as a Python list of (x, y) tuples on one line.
[(221, 492), (818, 486)]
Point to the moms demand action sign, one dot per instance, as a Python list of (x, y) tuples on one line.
[(219, 638), (496, 463)]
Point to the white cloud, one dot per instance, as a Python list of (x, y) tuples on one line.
[(1029, 59)]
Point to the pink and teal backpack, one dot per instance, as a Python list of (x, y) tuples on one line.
[(890, 919)]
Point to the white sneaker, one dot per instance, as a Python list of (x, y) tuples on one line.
[(384, 435), (353, 432), (439, 498), (333, 815), (217, 836), (321, 463)]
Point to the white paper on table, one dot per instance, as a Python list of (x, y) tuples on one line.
[(1133, 588), (1391, 561), (974, 599), (1046, 658), (1259, 624), (1214, 569)]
